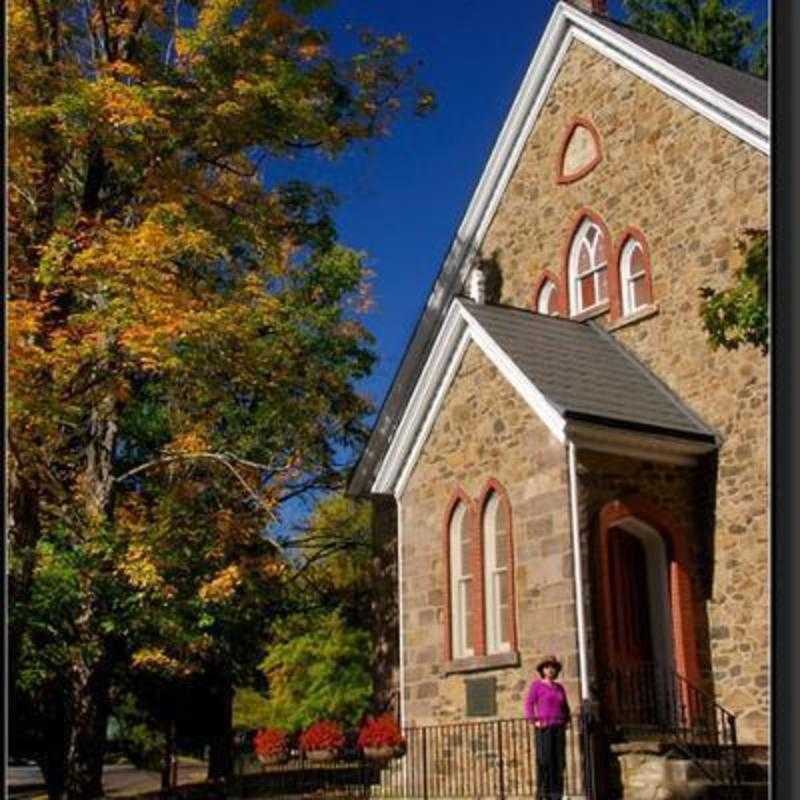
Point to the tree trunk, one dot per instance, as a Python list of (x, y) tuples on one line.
[(220, 759), (91, 709), (169, 756), (53, 758)]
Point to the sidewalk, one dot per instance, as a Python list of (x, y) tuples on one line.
[(119, 780)]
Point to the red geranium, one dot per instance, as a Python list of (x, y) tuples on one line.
[(324, 735), (382, 731), (270, 742)]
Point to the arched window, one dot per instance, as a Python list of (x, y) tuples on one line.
[(588, 268), (547, 301), (462, 586), (634, 277), (497, 574)]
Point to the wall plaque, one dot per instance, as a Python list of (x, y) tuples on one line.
[(481, 697)]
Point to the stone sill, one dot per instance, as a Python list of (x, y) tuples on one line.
[(638, 316), (480, 663), (591, 313)]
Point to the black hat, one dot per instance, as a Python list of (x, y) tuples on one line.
[(548, 661)]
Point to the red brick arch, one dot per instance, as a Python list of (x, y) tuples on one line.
[(615, 286), (577, 122), (561, 301), (576, 222), (683, 594), (493, 486)]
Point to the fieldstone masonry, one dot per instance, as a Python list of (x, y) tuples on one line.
[(484, 430), (691, 188)]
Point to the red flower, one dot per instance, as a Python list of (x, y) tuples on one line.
[(381, 732), (269, 742), (324, 735)]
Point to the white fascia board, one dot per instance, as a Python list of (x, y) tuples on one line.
[(441, 362), (693, 93), (458, 330)]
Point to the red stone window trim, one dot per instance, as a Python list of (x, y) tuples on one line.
[(546, 280), (561, 176), (633, 287), (591, 281), (460, 499), (494, 489)]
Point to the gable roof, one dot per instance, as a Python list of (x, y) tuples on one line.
[(736, 102), (741, 87), (585, 373), (580, 382)]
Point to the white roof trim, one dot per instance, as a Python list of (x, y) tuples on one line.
[(459, 329)]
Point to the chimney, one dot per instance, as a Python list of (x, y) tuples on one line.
[(598, 7), (477, 285)]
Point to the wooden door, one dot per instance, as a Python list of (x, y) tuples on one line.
[(632, 661)]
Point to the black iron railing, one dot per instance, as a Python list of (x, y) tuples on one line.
[(650, 700), (493, 759)]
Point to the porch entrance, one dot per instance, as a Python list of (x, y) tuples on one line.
[(639, 647)]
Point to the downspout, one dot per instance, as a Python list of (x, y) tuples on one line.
[(578, 571), (401, 703)]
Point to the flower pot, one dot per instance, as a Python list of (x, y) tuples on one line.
[(321, 755), (273, 759), (381, 753)]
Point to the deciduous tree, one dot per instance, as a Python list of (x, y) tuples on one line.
[(184, 334)]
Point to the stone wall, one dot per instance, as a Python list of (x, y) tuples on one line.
[(691, 188), (484, 430)]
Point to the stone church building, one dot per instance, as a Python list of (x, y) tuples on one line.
[(563, 461)]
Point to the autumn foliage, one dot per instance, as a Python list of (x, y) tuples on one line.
[(184, 337)]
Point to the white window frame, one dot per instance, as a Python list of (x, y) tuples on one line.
[(627, 278), (543, 301), (459, 578), (492, 574), (596, 266)]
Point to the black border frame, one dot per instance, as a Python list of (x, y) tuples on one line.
[(785, 425)]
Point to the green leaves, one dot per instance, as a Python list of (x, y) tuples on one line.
[(740, 315), (317, 668), (717, 29)]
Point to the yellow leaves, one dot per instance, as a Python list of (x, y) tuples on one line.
[(118, 104), (222, 586), (154, 659), (193, 441), (139, 568)]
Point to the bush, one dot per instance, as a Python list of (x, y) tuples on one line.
[(324, 735), (270, 742), (382, 731)]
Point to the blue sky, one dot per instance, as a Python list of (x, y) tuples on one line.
[(403, 197)]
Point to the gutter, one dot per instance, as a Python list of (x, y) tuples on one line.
[(578, 571), (401, 702)]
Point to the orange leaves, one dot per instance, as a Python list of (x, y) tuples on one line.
[(223, 586)]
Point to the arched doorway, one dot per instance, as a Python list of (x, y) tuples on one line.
[(647, 654)]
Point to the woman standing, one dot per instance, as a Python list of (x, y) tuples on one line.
[(547, 708)]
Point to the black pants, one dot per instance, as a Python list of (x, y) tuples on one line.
[(550, 762)]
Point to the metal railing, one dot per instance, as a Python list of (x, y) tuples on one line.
[(650, 700), (491, 759)]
